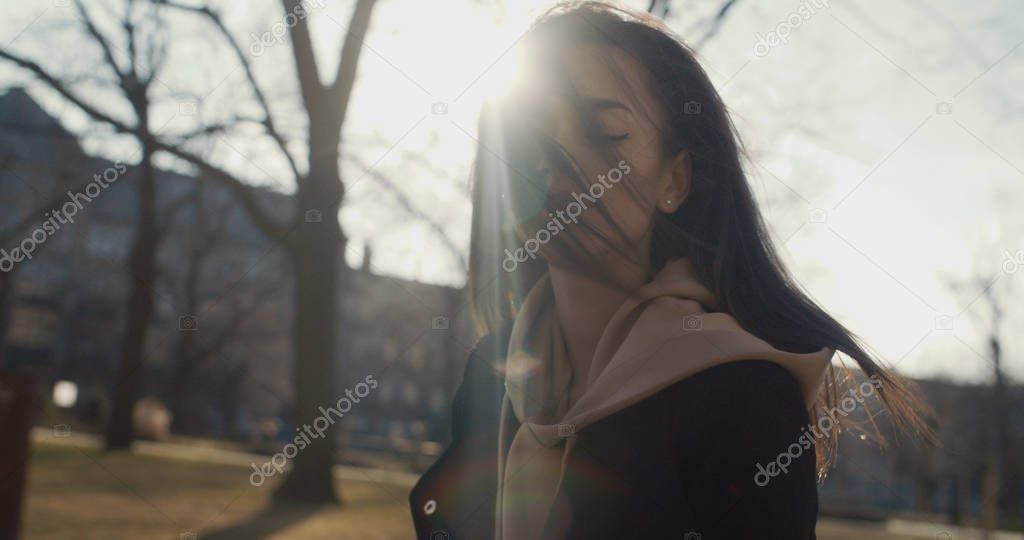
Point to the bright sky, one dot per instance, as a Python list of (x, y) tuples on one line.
[(885, 144)]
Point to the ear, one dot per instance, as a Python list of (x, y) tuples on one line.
[(676, 184)]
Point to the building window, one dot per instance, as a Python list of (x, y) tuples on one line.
[(108, 242), (410, 393), (416, 357), (33, 327)]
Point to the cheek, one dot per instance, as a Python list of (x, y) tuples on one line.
[(631, 201), (629, 205)]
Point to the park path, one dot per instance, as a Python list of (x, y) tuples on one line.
[(206, 454)]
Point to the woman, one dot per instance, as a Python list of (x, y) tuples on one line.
[(649, 369)]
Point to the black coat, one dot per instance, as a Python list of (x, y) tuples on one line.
[(680, 464)]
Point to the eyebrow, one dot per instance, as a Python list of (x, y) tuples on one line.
[(605, 103)]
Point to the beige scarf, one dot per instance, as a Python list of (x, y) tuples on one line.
[(660, 335)]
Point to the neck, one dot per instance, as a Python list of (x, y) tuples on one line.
[(583, 306)]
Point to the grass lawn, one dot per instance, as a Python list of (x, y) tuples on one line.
[(78, 492)]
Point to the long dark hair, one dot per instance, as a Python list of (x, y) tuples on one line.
[(719, 227)]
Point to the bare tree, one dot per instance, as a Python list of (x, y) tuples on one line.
[(238, 301), (320, 275), (316, 250), (983, 288), (135, 72)]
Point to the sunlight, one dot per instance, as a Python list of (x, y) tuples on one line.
[(502, 76)]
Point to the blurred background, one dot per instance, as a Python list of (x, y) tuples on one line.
[(219, 220)]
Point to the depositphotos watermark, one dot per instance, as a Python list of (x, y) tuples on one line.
[(307, 433), (262, 42), (561, 218), (1013, 261), (847, 405), (780, 35), (61, 216)]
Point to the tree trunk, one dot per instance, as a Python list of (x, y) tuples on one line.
[(963, 493), (181, 414), (184, 369), (989, 500), (142, 265), (316, 250), (6, 306)]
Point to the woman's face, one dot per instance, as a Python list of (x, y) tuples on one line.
[(611, 127)]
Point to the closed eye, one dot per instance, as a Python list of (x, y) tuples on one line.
[(597, 135), (596, 111)]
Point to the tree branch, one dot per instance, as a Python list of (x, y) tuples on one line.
[(166, 217), (129, 30), (345, 75), (243, 191), (108, 52), (61, 89), (32, 217), (715, 24), (216, 128), (239, 317), (410, 209), (305, 60), (268, 121)]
